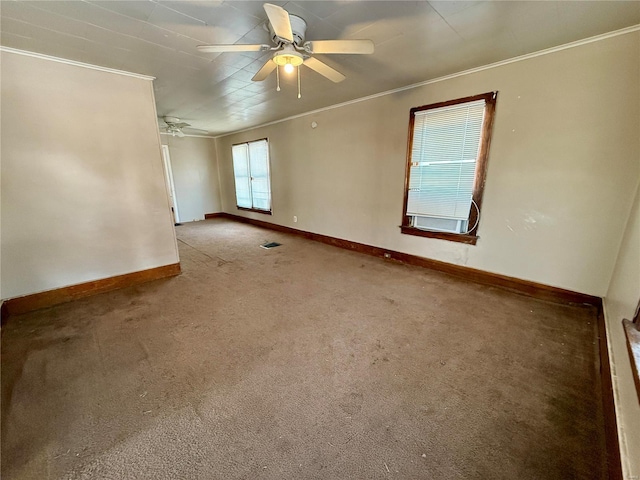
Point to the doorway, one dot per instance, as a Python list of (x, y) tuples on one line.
[(171, 189)]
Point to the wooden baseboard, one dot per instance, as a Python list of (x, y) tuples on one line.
[(207, 216), (36, 301), (614, 462), (531, 289)]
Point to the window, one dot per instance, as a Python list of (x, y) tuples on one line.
[(446, 167), (251, 172)]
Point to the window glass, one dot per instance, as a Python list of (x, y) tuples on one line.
[(252, 177)]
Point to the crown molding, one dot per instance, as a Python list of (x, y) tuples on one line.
[(547, 51), (189, 135), (74, 63)]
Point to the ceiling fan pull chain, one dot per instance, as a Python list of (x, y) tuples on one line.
[(277, 79), (299, 96)]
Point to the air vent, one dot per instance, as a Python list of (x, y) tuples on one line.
[(435, 224)]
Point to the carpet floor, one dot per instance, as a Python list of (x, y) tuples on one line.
[(304, 361)]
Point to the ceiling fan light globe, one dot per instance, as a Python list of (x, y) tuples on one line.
[(288, 56), (288, 68)]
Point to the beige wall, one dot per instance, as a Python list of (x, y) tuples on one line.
[(83, 192), (195, 176), (621, 302), (563, 164)]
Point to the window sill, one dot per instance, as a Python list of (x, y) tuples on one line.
[(453, 237), (256, 210)]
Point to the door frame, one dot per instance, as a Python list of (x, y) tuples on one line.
[(171, 189)]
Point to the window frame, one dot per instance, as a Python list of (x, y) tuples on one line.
[(253, 209), (480, 172)]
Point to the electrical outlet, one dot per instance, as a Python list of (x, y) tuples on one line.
[(295, 219)]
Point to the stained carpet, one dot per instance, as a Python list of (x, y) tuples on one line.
[(301, 362)]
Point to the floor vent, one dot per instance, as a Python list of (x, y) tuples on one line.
[(270, 245)]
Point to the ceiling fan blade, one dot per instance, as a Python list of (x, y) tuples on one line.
[(182, 125), (232, 48), (339, 46), (324, 70), (179, 133), (264, 71), (279, 19)]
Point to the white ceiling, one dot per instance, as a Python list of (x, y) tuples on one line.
[(414, 41)]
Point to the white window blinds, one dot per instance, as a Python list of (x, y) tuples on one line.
[(446, 141), (251, 171)]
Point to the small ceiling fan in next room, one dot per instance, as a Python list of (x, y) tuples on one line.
[(174, 126), (290, 50)]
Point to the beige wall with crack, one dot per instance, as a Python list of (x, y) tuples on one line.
[(562, 168)]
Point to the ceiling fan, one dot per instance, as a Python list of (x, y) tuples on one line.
[(175, 126), (290, 49)]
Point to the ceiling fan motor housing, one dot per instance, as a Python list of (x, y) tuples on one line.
[(298, 28)]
